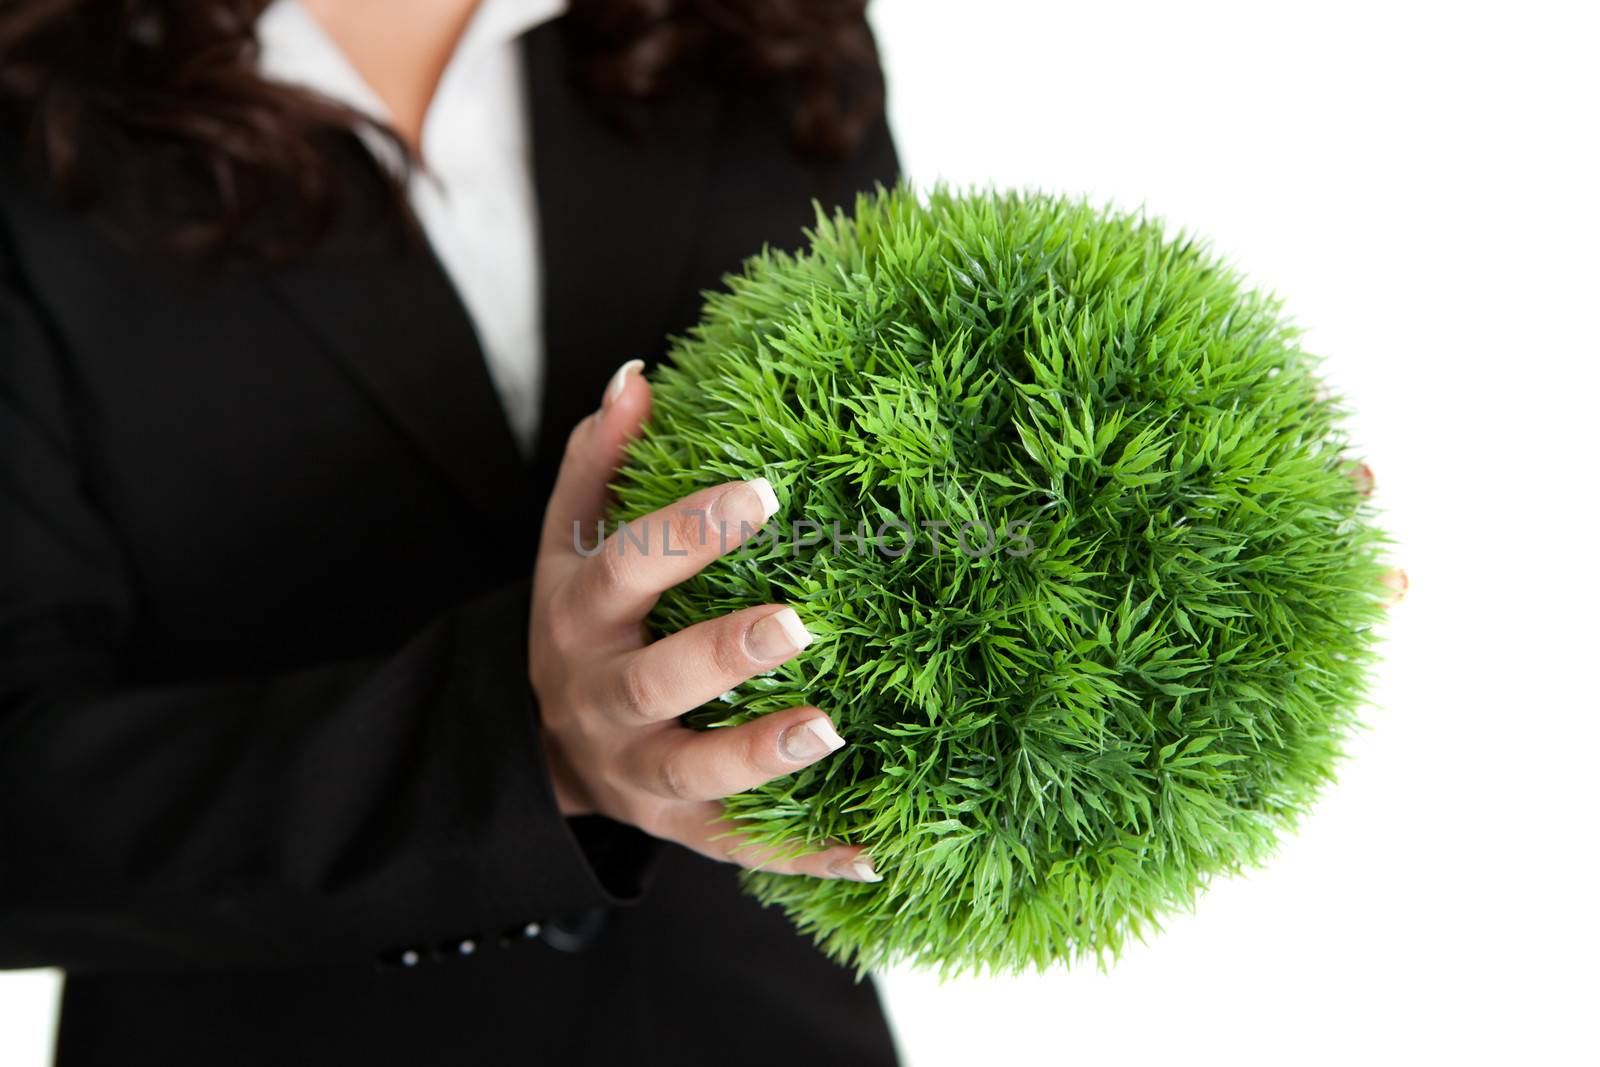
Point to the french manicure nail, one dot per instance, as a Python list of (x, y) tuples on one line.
[(1397, 582), (746, 504), (809, 741), (769, 499), (856, 868), (777, 635), (619, 382)]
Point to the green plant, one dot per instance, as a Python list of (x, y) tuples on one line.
[(1152, 673)]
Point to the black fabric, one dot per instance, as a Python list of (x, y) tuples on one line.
[(695, 975), (265, 728)]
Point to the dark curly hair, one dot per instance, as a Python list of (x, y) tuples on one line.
[(178, 78)]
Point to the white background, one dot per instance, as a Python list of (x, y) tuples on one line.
[(1415, 179)]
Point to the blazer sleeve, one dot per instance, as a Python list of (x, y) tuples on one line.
[(341, 811)]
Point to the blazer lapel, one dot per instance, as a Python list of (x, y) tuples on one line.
[(392, 320), (619, 217)]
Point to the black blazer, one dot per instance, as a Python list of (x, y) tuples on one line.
[(270, 784)]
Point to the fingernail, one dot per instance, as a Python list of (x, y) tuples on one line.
[(1362, 477), (857, 868), (777, 635), (809, 741), (619, 382), (744, 505), (769, 499), (1397, 582)]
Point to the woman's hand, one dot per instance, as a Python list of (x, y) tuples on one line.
[(609, 698)]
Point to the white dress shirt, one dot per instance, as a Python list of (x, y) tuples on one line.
[(474, 195)]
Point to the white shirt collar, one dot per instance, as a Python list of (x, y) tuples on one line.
[(296, 50), (476, 201)]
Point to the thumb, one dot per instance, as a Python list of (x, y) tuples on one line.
[(594, 450)]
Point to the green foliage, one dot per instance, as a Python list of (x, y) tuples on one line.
[(1049, 748)]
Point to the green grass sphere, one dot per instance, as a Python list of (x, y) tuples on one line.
[(1154, 668)]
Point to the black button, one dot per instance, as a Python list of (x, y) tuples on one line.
[(574, 933), (401, 959), (528, 931), (456, 947)]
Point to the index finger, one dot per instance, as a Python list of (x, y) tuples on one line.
[(621, 580)]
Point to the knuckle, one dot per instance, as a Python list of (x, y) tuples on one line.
[(559, 638), (580, 614), (728, 654), (608, 570), (635, 690), (670, 779), (567, 647), (561, 717), (686, 528), (576, 702)]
